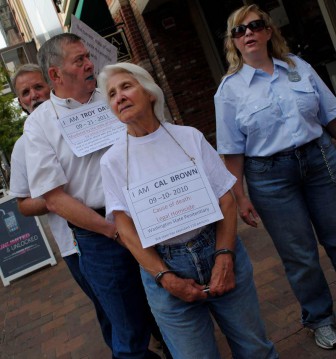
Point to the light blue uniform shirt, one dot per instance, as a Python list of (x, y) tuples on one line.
[(258, 114)]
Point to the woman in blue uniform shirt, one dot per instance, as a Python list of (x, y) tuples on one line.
[(273, 115)]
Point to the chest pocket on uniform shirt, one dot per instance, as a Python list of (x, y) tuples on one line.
[(256, 116), (305, 97)]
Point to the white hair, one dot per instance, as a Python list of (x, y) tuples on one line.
[(142, 76)]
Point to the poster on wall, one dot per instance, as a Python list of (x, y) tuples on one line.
[(23, 244)]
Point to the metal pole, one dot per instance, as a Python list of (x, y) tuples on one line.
[(4, 171)]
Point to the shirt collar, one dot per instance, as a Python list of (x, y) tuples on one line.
[(280, 63), (248, 72), (70, 102)]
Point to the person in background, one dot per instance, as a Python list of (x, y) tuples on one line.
[(205, 270), (274, 115), (72, 188), (32, 90)]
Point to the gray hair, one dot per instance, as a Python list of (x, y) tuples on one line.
[(51, 52), (23, 70), (142, 76)]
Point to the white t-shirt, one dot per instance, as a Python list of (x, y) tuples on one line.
[(155, 153), (19, 188), (50, 161)]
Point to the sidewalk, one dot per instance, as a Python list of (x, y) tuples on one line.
[(45, 314)]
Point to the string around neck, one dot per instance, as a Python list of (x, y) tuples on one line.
[(127, 153)]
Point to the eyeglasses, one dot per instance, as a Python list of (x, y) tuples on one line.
[(254, 26)]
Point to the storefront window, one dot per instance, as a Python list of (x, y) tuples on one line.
[(216, 16), (301, 23), (14, 58), (304, 28)]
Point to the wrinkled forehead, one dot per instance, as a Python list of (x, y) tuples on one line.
[(72, 49), (29, 79), (30, 75), (119, 74)]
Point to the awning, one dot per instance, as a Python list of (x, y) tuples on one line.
[(97, 15), (79, 9)]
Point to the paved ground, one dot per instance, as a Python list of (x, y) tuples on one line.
[(45, 314)]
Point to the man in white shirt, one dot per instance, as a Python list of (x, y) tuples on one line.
[(32, 90), (72, 188)]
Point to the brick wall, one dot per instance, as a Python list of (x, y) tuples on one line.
[(184, 64), (165, 42)]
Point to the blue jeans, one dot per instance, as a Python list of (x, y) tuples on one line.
[(114, 276), (72, 262), (295, 195), (187, 328)]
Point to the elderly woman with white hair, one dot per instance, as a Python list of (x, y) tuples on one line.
[(197, 272)]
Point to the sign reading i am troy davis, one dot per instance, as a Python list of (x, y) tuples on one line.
[(23, 243)]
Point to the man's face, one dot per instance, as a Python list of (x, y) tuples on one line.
[(75, 77), (32, 90)]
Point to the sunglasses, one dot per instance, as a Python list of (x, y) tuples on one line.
[(254, 26)]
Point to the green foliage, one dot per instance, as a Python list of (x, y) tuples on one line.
[(11, 119)]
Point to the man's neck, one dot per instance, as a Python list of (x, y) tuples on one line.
[(77, 97)]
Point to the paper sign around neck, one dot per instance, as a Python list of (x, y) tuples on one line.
[(171, 203)]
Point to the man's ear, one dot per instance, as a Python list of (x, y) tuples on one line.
[(54, 74)]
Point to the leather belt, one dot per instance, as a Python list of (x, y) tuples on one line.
[(300, 148), (287, 152)]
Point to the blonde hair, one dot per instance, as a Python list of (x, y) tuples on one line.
[(142, 76), (276, 46)]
